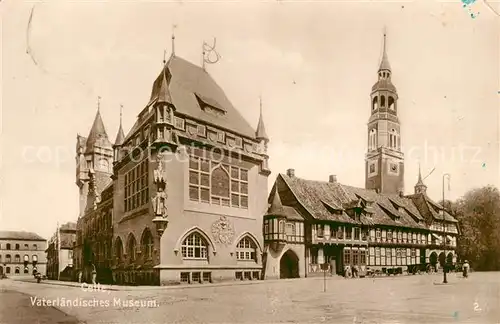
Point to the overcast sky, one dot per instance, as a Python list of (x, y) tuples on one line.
[(313, 63)]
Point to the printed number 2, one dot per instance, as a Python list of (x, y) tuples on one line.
[(476, 307)]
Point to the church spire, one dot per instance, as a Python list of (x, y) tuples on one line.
[(261, 134), (97, 134), (420, 187), (384, 63), (120, 136)]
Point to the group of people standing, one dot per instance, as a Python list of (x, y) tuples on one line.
[(351, 271)]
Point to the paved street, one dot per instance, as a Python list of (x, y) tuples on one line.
[(405, 299), (16, 308)]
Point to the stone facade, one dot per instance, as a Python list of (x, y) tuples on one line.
[(60, 253), (21, 253), (188, 189)]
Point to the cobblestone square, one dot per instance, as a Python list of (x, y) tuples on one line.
[(404, 299)]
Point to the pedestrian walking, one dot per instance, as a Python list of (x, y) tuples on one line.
[(465, 269)]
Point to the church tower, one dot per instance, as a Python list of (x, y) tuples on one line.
[(94, 162), (384, 158)]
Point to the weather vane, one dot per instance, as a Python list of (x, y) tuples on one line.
[(210, 55)]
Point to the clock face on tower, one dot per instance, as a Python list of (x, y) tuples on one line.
[(393, 168), (103, 165)]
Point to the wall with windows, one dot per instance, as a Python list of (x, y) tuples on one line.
[(202, 188), (14, 253)]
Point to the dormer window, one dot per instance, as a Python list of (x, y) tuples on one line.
[(209, 105)]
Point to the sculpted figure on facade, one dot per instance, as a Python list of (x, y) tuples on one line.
[(223, 231), (160, 199)]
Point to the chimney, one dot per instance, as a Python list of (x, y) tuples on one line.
[(290, 173), (333, 178)]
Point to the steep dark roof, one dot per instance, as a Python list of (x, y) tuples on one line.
[(276, 208), (316, 196), (430, 209), (97, 135), (20, 235), (120, 136), (330, 201), (187, 85)]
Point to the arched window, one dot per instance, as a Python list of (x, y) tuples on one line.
[(131, 247), (394, 139), (382, 101), (372, 145), (7, 258), (26, 258), (26, 247), (118, 249), (147, 244), (246, 249), (26, 270), (391, 103), (34, 258), (35, 247), (17, 258), (17, 246), (194, 247), (220, 182), (8, 246), (17, 270), (7, 270), (375, 103)]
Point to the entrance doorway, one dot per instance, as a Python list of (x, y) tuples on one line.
[(433, 259), (289, 265), (1, 271), (442, 259)]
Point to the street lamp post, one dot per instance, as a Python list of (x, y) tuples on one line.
[(446, 175)]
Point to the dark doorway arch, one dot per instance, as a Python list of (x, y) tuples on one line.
[(433, 259), (442, 259), (289, 265), (449, 258)]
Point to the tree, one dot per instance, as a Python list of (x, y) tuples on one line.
[(478, 213)]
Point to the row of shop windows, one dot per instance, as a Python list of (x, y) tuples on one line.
[(372, 256), (196, 277), (247, 275), (17, 258), (377, 235), (17, 270), (9, 246)]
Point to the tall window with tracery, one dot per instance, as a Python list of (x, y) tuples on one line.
[(217, 183), (119, 249), (131, 247), (147, 244), (372, 145), (136, 186), (246, 249), (194, 247)]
